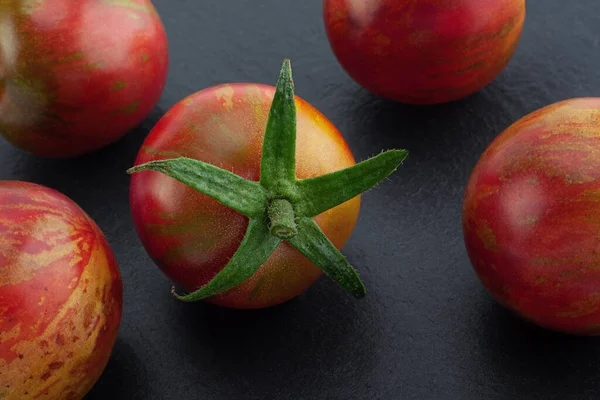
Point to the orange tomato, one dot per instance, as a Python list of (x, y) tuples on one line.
[(60, 296), (190, 236)]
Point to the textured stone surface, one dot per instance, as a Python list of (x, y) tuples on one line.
[(427, 329)]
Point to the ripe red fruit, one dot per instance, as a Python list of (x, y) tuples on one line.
[(60, 295), (531, 217), (78, 75), (190, 235), (424, 51), (222, 200)]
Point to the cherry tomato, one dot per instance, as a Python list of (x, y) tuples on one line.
[(60, 295), (531, 215), (424, 51), (190, 236), (78, 75)]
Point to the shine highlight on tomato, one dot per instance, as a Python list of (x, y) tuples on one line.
[(424, 51), (60, 296), (531, 217)]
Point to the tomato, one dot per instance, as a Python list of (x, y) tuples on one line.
[(78, 75), (531, 216), (424, 51), (283, 169), (60, 295), (190, 236)]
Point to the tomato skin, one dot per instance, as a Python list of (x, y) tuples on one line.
[(424, 51), (60, 295), (76, 76), (190, 236), (531, 215)]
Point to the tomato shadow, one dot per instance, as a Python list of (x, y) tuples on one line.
[(319, 343), (443, 141), (123, 376), (456, 127), (97, 181), (530, 359)]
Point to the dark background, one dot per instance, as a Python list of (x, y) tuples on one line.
[(427, 329)]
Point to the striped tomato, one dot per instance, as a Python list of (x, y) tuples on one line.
[(78, 75), (424, 51), (60, 296), (531, 217), (244, 194), (192, 236)]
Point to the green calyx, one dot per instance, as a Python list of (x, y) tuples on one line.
[(280, 207)]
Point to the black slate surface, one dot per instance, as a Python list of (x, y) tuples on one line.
[(427, 329)]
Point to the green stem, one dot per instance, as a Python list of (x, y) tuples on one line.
[(282, 217)]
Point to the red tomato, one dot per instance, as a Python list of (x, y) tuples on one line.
[(424, 51), (190, 236), (60, 296), (531, 215), (78, 75)]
